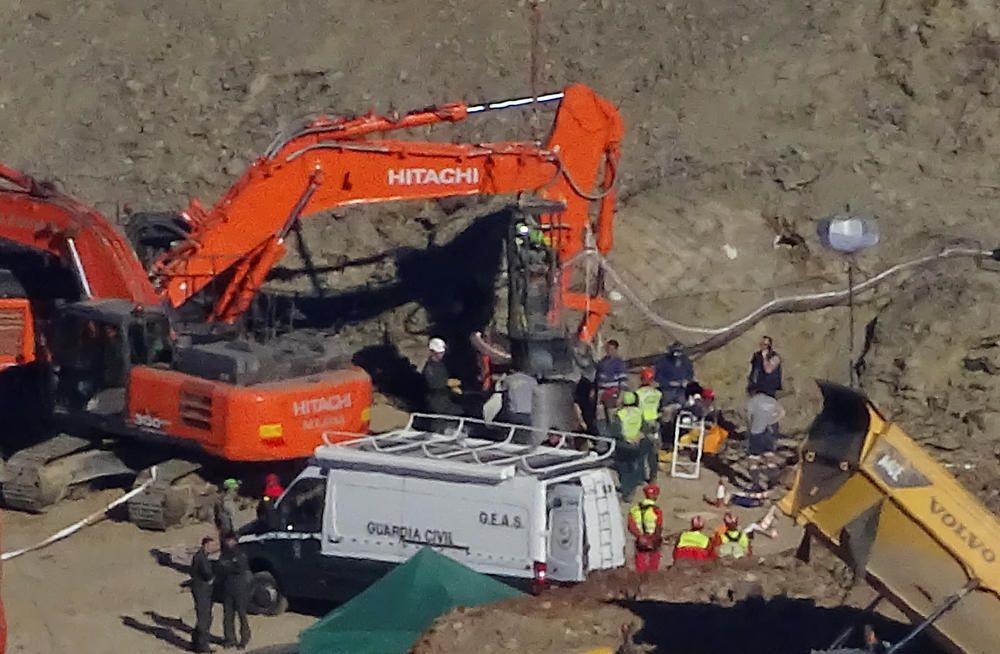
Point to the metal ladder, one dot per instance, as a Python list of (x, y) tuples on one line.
[(605, 516), (684, 468)]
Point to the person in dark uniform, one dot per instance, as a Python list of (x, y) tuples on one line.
[(765, 370), (202, 578), (442, 389), (235, 576)]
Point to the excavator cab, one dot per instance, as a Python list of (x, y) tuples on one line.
[(95, 345)]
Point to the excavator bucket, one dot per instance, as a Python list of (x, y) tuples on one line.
[(877, 500)]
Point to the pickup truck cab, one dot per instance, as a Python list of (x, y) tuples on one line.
[(526, 514)]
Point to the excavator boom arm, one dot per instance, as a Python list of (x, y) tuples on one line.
[(330, 164)]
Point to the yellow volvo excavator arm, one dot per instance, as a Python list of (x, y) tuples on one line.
[(870, 493)]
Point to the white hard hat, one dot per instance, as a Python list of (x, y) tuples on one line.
[(436, 345)]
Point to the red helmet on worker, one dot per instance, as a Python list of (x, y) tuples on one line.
[(651, 491), (646, 375), (730, 521), (697, 523)]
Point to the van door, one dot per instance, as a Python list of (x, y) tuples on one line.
[(565, 521), (297, 545)]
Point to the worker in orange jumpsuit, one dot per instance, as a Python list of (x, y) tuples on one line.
[(645, 522), (693, 544)]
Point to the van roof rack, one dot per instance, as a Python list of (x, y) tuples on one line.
[(468, 449)]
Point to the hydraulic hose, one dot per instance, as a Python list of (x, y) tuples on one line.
[(719, 336)]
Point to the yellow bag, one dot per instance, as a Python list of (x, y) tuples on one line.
[(715, 438)]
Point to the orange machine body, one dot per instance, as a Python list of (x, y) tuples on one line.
[(272, 421), (17, 332), (332, 163)]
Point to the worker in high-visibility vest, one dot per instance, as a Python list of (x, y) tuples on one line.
[(651, 404), (729, 541), (645, 522), (631, 450), (693, 544)]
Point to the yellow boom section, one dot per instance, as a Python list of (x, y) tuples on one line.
[(882, 504)]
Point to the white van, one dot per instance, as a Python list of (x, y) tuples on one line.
[(526, 514)]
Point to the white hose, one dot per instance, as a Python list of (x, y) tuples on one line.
[(79, 524), (830, 296)]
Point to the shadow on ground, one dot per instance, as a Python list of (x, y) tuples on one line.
[(756, 626), (454, 283)]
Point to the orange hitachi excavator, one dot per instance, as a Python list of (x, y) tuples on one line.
[(119, 368)]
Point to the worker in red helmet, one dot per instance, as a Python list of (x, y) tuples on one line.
[(651, 404), (729, 541), (693, 544), (645, 522)]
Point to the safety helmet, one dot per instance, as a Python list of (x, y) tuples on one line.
[(230, 483), (697, 523), (730, 520), (521, 229), (651, 491), (436, 345), (646, 375), (707, 393), (629, 398)]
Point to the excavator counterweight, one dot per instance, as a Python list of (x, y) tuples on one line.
[(900, 519)]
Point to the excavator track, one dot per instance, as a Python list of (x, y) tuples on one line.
[(174, 495), (37, 477)]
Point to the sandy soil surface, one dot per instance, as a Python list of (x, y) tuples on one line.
[(747, 120), (103, 591)]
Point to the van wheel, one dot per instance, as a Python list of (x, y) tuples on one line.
[(265, 595)]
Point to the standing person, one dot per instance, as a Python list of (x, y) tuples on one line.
[(442, 389), (693, 544), (763, 415), (651, 405), (674, 371), (765, 370), (632, 446), (518, 391), (585, 394), (235, 576), (227, 507), (272, 487), (265, 508), (202, 580), (611, 376), (645, 522)]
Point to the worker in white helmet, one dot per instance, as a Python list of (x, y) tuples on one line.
[(442, 390)]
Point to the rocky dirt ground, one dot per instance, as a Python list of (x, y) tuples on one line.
[(746, 120)]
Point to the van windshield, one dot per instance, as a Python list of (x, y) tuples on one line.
[(301, 509)]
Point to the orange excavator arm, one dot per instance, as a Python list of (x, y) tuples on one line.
[(333, 163), (38, 216)]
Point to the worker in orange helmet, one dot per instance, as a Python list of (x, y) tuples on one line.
[(693, 544), (645, 522), (729, 541)]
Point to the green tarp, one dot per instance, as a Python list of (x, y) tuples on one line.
[(390, 615)]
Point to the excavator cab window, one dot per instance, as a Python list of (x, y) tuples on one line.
[(149, 341), (91, 357)]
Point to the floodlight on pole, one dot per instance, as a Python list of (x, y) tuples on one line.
[(849, 234)]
